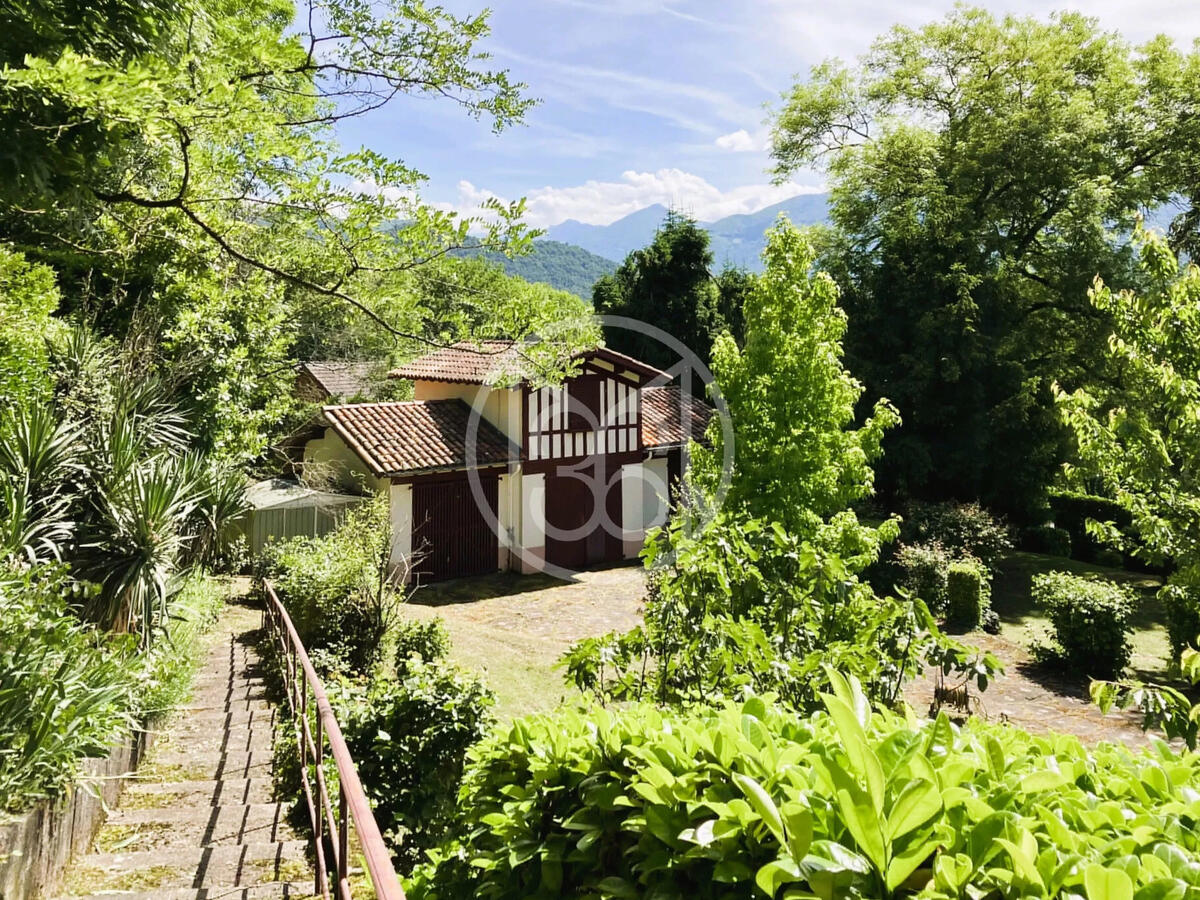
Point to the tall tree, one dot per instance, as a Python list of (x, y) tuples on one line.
[(670, 285), (984, 171), (175, 163)]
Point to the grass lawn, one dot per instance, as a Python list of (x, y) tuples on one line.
[(1021, 619)]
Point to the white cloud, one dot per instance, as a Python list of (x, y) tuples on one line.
[(742, 141), (602, 202)]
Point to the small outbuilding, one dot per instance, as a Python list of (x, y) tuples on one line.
[(282, 509)]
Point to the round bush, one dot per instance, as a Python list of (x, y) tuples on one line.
[(1091, 620), (424, 642)]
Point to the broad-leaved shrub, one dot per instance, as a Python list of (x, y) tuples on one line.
[(1091, 620), (420, 642), (963, 529), (749, 800)]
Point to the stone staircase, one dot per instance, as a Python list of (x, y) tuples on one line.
[(198, 821)]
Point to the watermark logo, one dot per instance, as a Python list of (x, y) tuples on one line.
[(595, 469)]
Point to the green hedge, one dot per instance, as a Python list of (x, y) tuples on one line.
[(1071, 512), (1182, 604), (968, 592), (1092, 622), (752, 801), (1047, 539)]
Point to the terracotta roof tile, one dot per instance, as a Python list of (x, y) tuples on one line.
[(341, 380), (485, 362), (665, 410), (417, 436)]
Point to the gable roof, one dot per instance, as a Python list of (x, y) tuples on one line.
[(485, 362), (671, 418), (413, 436), (340, 380)]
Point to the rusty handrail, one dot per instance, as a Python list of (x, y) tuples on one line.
[(351, 798)]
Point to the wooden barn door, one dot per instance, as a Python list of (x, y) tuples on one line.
[(450, 530), (570, 503)]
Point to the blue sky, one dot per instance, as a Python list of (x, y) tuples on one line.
[(660, 101)]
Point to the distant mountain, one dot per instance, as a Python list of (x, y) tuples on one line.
[(615, 240), (735, 239)]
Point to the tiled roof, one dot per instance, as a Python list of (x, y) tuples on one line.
[(341, 380), (485, 362), (664, 412), (417, 436), (467, 362)]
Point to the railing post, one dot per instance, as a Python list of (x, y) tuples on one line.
[(343, 853)]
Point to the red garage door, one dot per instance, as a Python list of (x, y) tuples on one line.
[(575, 537), (450, 530)]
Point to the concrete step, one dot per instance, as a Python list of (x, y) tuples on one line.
[(206, 739), (217, 718), (212, 826), (221, 704), (240, 865), (272, 890), (202, 793), (234, 764)]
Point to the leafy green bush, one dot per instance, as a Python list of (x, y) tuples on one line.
[(1182, 604), (1048, 539), (169, 666), (337, 588), (409, 739), (923, 570), (750, 801), (963, 529), (1091, 619), (968, 592), (422, 642), (66, 690)]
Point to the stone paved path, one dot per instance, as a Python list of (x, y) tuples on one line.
[(198, 821)]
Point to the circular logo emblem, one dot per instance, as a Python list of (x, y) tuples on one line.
[(598, 460)]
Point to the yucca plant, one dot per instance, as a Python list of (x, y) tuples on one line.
[(31, 530), (39, 460), (135, 543), (220, 502)]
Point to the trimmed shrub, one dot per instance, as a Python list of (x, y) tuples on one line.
[(409, 739), (422, 642), (1110, 558), (1182, 604), (923, 569), (1091, 620), (968, 592), (1047, 539), (749, 800), (963, 529)]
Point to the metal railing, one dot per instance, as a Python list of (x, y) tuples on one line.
[(331, 836)]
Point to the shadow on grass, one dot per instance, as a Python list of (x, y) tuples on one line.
[(501, 584)]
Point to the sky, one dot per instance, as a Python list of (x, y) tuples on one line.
[(660, 101)]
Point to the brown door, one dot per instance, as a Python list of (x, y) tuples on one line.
[(450, 531), (575, 536)]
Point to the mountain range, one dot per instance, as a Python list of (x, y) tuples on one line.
[(736, 240)]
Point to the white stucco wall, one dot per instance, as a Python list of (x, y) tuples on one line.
[(643, 502), (400, 509), (328, 459)]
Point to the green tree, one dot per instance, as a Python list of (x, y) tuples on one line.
[(29, 298), (757, 588), (670, 285), (983, 172), (1142, 441)]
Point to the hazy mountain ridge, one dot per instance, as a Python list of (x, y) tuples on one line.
[(737, 239)]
